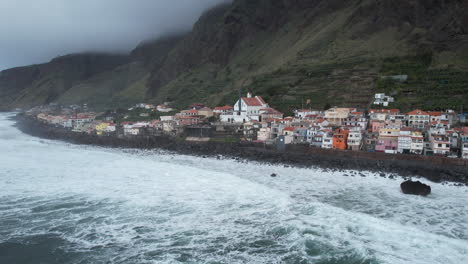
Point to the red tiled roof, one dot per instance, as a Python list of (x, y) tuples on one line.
[(417, 112), (253, 101), (221, 108), (435, 113), (260, 99), (289, 129)]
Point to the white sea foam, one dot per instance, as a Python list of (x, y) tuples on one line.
[(153, 207)]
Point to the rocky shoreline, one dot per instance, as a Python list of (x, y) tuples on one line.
[(300, 156)]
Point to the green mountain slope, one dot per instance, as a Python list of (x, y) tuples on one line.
[(45, 83), (323, 51), (292, 52)]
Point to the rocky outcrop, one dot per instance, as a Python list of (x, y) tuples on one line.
[(415, 188)]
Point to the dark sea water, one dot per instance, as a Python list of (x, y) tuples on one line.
[(62, 203)]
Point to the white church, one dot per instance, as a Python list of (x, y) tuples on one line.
[(246, 109)]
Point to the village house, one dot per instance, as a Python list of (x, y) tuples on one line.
[(223, 110), (156, 126), (435, 116), (270, 113), (417, 142), (440, 144), (190, 112), (164, 108), (396, 120), (250, 130), (387, 145), (288, 133), (264, 134), (246, 109), (464, 144), (300, 135), (104, 128), (450, 117), (206, 112), (311, 132), (336, 116), (327, 140), (377, 125), (143, 106), (388, 140), (355, 139), (340, 139), (404, 140), (382, 114), (418, 119), (189, 120), (134, 129), (320, 122), (356, 119), (303, 113), (317, 139), (382, 99), (389, 132), (277, 129), (79, 119)]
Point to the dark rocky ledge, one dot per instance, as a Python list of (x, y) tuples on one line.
[(436, 169)]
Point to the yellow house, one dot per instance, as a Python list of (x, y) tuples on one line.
[(389, 132), (104, 127)]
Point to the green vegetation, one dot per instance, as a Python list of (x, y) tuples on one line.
[(429, 88)]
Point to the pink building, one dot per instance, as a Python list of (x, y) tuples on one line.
[(387, 145), (377, 125)]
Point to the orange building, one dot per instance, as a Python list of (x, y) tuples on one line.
[(340, 139)]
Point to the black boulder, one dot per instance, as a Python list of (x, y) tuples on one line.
[(415, 188)]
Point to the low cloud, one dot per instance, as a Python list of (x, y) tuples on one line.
[(35, 31)]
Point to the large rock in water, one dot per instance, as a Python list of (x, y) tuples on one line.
[(416, 188)]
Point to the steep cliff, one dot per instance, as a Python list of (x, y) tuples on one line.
[(296, 51), (293, 52)]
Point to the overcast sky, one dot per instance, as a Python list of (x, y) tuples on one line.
[(35, 31)]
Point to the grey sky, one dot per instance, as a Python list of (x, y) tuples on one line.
[(35, 31)]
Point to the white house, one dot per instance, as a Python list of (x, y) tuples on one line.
[(404, 140), (440, 144), (327, 140), (418, 119), (164, 108), (382, 99), (417, 142), (302, 113), (355, 139), (464, 145), (246, 109)]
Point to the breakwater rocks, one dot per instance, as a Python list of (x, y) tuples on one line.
[(415, 188), (433, 168)]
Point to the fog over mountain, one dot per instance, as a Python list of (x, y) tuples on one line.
[(34, 31)]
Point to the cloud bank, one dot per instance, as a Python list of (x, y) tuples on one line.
[(35, 31)]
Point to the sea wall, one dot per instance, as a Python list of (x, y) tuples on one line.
[(433, 168)]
